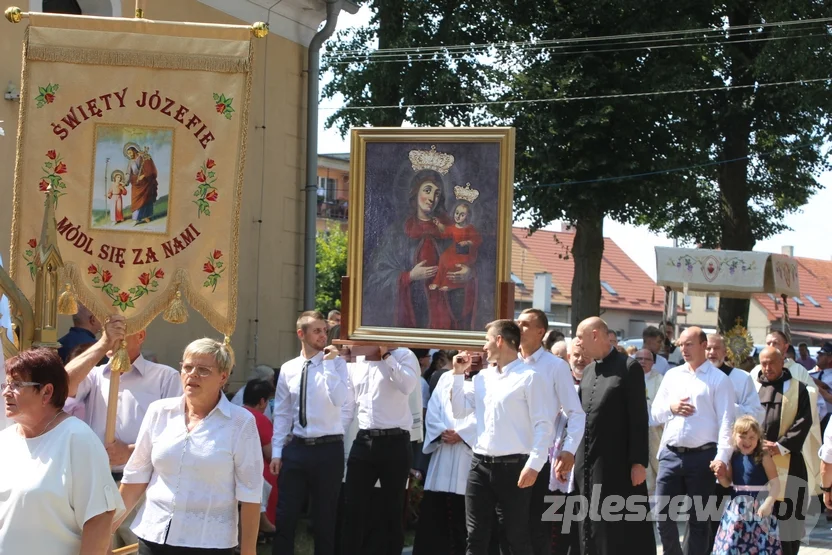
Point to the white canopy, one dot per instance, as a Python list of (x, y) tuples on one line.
[(738, 274)]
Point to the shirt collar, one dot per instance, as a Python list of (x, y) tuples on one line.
[(534, 357), (223, 406), (704, 367), (511, 365), (316, 360)]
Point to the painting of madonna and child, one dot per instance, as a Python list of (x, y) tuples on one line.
[(434, 222)]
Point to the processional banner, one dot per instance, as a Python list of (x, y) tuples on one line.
[(136, 131)]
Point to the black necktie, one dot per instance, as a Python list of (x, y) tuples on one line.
[(303, 377)]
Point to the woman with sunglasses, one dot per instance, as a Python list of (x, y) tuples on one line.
[(56, 492), (196, 457)]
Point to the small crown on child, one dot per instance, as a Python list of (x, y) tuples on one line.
[(431, 160), (466, 193)]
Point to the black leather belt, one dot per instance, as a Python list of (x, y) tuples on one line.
[(505, 459), (317, 440), (682, 450), (389, 432)]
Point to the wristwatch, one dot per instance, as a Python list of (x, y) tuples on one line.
[(826, 490), (385, 355)]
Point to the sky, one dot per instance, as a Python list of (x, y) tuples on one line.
[(810, 227)]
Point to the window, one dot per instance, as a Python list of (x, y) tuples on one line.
[(812, 300), (608, 288), (517, 280), (797, 301), (687, 302), (327, 188), (710, 303), (101, 8)]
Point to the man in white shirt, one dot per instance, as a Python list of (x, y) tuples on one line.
[(512, 403), (312, 408), (825, 455), (654, 342), (561, 397), (695, 402), (381, 450), (747, 401), (143, 384), (822, 376)]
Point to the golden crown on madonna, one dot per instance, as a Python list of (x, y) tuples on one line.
[(439, 162)]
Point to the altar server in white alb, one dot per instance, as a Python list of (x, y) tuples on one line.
[(514, 432), (441, 529)]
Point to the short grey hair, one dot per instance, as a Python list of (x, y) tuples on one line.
[(220, 351), (261, 372)]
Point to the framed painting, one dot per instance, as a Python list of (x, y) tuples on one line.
[(429, 234)]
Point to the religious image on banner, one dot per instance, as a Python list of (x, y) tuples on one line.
[(136, 132), (134, 164)]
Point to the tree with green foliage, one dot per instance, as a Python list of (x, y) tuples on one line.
[(330, 266), (718, 165)]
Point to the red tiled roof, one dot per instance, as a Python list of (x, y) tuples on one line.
[(816, 281), (551, 251)]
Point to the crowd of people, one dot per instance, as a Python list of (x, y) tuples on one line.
[(536, 445)]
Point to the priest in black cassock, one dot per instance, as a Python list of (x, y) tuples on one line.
[(786, 425), (613, 454)]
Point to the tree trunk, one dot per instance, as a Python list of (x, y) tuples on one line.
[(587, 251), (737, 118), (385, 86)]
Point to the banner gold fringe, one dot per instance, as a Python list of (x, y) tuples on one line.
[(180, 283), (121, 360), (66, 302), (155, 60)]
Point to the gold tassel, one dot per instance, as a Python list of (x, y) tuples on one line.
[(177, 312), (227, 342), (67, 304), (121, 360)]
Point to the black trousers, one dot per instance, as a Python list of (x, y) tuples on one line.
[(386, 459), (150, 548), (564, 541), (540, 531), (493, 486), (315, 470), (441, 528)]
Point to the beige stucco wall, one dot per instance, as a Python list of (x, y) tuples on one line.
[(273, 250), (697, 315)]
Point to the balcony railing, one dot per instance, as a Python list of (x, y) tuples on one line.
[(332, 209)]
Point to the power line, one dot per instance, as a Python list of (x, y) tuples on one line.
[(649, 45), (577, 98), (672, 170), (507, 44)]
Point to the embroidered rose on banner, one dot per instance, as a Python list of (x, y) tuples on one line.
[(53, 170), (148, 283), (46, 95), (214, 268), (206, 192), (29, 257), (223, 105)]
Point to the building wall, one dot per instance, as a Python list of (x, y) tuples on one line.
[(272, 215), (699, 315)]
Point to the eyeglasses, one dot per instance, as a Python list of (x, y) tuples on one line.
[(640, 359), (15, 386), (200, 371)]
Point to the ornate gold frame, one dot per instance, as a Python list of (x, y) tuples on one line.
[(360, 137)]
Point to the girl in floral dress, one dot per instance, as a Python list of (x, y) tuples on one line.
[(748, 527)]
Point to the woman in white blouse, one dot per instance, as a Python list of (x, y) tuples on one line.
[(196, 458), (57, 496)]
